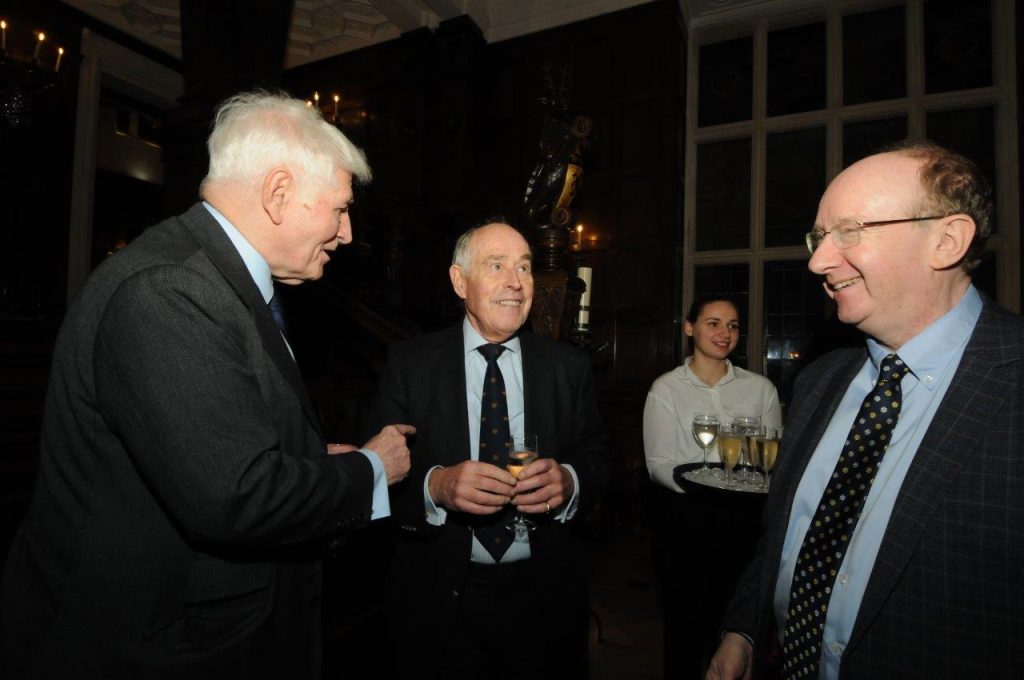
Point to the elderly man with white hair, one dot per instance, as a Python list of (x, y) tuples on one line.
[(185, 485)]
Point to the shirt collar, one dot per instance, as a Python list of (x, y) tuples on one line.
[(928, 353), (691, 377), (471, 339), (258, 268)]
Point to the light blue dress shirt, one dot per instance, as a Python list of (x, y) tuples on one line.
[(511, 364), (259, 270), (932, 357)]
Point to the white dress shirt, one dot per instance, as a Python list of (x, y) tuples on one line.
[(511, 364)]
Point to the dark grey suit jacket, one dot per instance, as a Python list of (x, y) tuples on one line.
[(183, 481), (424, 385), (946, 595)]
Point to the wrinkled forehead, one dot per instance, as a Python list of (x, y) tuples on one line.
[(499, 241), (883, 186)]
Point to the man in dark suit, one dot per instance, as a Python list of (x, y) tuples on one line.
[(895, 527), (470, 601), (184, 485)]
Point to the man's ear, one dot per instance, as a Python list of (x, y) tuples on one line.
[(688, 329), (277, 189), (458, 278), (956, 233)]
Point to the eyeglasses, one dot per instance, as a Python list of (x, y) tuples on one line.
[(846, 234)]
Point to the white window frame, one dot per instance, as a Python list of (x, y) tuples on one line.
[(757, 21)]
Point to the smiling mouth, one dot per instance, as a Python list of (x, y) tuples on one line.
[(510, 303), (843, 285)]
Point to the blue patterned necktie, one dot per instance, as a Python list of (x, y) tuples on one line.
[(494, 445), (277, 311), (832, 526)]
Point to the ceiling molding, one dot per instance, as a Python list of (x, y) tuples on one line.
[(325, 28)]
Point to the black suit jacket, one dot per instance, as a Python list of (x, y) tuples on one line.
[(183, 480), (946, 595), (424, 384)]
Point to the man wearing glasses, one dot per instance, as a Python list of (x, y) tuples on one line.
[(895, 525)]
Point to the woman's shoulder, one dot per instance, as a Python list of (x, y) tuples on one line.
[(676, 375)]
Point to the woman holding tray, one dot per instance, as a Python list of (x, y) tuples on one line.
[(699, 544)]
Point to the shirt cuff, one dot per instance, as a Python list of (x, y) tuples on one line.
[(381, 505), (569, 510), (434, 514)]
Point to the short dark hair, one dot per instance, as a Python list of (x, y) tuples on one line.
[(953, 184)]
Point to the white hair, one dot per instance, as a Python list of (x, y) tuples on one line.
[(253, 132)]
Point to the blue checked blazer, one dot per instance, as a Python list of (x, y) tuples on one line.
[(946, 596)]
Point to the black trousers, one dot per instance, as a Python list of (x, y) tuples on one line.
[(700, 545), (518, 623)]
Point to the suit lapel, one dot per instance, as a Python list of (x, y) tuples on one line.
[(537, 388), (977, 388), (218, 247), (449, 391), (802, 438), (799, 443)]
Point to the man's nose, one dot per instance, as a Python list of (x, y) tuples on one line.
[(345, 229), (825, 256)]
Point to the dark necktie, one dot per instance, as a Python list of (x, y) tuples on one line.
[(277, 311), (832, 526), (494, 443)]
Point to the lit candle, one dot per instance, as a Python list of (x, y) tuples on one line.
[(60, 55), (585, 273), (337, 98), (316, 100), (579, 235), (3, 33), (39, 43)]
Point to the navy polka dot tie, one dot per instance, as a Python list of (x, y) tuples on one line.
[(832, 526), (494, 445), (277, 311)]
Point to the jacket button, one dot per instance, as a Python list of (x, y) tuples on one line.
[(455, 593)]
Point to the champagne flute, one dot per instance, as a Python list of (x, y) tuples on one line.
[(730, 443), (755, 448), (770, 452), (705, 431), (522, 452), (746, 427)]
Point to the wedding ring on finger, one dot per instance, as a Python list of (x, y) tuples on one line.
[(548, 506)]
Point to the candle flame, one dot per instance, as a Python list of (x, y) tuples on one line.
[(60, 50), (3, 25), (579, 228), (42, 36), (337, 98)]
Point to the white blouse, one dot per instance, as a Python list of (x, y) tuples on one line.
[(677, 395)]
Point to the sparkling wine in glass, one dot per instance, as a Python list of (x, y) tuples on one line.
[(730, 444), (745, 426), (522, 452), (705, 431), (755, 449), (770, 452)]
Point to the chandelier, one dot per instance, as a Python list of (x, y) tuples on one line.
[(29, 67)]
